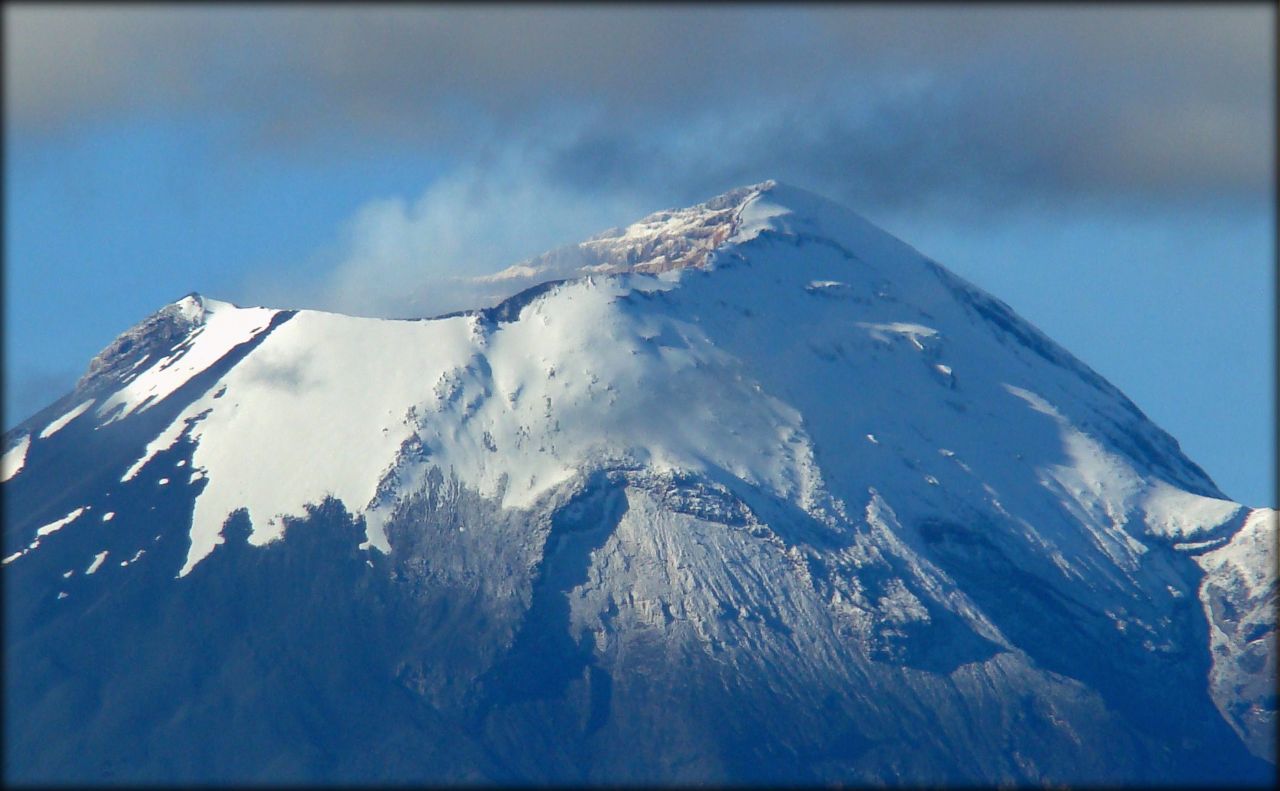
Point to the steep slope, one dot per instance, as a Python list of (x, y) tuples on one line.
[(750, 491)]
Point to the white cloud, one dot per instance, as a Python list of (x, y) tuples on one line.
[(400, 258)]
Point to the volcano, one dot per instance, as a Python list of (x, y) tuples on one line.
[(748, 492)]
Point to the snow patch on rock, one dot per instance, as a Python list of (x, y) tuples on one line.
[(98, 560), (60, 423), (14, 458), (224, 327)]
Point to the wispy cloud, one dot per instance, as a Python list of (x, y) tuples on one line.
[(420, 257)]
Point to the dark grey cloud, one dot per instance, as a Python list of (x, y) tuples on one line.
[(995, 106), (885, 105)]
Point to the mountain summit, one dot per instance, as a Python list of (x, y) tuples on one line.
[(746, 492)]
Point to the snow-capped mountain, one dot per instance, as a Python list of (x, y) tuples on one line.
[(746, 492)]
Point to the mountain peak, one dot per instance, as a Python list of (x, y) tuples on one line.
[(685, 238), (153, 357), (613, 513), (157, 331), (662, 241)]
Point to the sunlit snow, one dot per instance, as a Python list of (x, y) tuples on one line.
[(60, 423), (97, 562), (13, 459), (46, 530), (770, 347), (163, 441), (225, 326), (55, 526), (661, 366)]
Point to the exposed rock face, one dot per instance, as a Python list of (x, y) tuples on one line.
[(753, 493), (159, 332), (665, 240), (1239, 597)]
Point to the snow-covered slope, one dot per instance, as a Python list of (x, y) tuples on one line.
[(754, 434)]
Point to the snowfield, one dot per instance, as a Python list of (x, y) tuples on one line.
[(595, 370)]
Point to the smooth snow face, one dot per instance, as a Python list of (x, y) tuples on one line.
[(581, 381), (225, 327), (57, 425), (320, 407), (520, 406), (1104, 490), (14, 458), (1171, 512)]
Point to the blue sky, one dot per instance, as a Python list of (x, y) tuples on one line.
[(1108, 172)]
